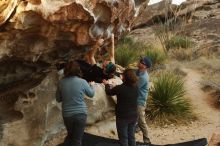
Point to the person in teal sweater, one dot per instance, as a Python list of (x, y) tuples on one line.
[(70, 91), (143, 85)]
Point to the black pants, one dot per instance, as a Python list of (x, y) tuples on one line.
[(75, 126), (126, 132)]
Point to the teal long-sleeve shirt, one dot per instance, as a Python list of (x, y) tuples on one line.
[(70, 92), (143, 84)]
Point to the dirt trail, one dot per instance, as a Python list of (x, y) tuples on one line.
[(205, 126), (200, 98)]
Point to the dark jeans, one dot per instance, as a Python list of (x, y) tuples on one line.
[(75, 126), (126, 132)]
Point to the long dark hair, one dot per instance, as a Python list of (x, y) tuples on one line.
[(130, 78), (72, 69)]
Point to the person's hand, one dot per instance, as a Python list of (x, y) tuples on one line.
[(121, 76), (99, 42), (105, 82), (92, 83)]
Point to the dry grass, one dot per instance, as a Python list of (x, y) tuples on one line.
[(129, 51), (181, 54)]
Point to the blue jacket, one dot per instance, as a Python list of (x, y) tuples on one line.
[(71, 92), (143, 84)]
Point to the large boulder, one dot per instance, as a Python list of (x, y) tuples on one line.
[(34, 117), (35, 36)]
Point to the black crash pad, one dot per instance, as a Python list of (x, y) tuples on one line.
[(93, 140)]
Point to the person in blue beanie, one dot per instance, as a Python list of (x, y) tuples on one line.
[(70, 91), (90, 69), (143, 85)]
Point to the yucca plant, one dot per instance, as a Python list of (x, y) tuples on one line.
[(167, 102)]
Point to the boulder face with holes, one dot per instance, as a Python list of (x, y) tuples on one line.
[(35, 35)]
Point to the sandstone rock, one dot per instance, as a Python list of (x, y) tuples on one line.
[(35, 35), (35, 116), (46, 32), (39, 116), (150, 15), (6, 9), (205, 34), (215, 140)]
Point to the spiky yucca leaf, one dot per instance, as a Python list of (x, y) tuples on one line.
[(167, 101)]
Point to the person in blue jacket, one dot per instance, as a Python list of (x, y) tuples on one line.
[(70, 91), (143, 86)]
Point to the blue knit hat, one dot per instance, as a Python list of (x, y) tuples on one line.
[(146, 61), (110, 68)]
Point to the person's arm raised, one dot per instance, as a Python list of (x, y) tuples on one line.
[(112, 49), (93, 51)]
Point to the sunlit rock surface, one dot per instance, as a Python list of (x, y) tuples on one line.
[(38, 34), (6, 9)]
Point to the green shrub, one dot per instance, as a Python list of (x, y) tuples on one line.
[(157, 56), (126, 51), (178, 42), (166, 102), (125, 56)]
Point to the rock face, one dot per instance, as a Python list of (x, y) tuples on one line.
[(204, 29), (165, 10), (41, 33), (36, 116), (35, 35), (149, 15), (6, 9)]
